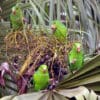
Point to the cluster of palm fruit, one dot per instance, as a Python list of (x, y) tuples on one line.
[(37, 49), (28, 56)]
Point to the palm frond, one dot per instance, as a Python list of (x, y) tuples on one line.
[(57, 95)]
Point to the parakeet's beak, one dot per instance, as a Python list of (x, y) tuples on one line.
[(53, 27), (44, 70), (13, 11), (78, 49)]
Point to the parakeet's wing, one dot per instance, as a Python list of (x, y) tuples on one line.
[(61, 30), (80, 59), (36, 80), (71, 57)]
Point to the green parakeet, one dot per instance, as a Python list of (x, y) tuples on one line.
[(41, 78), (60, 30), (16, 17), (76, 57)]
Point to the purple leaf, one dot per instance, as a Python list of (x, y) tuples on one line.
[(2, 81), (22, 84), (3, 69), (25, 20), (5, 66)]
